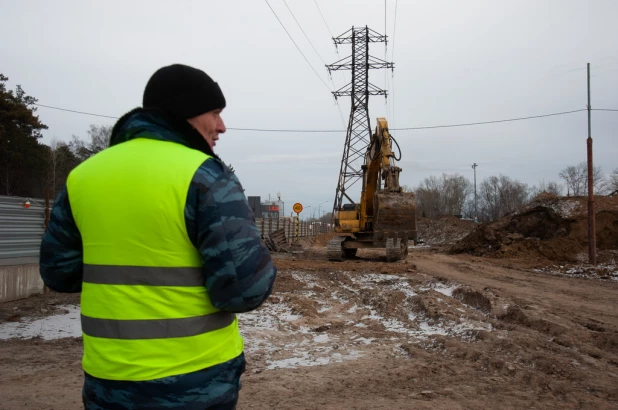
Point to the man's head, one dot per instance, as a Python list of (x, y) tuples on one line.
[(189, 94)]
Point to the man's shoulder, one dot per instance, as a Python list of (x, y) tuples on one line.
[(214, 173), (215, 185)]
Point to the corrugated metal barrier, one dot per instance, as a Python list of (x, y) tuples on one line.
[(21, 228), (268, 225)]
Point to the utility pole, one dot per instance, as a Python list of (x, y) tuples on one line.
[(358, 134), (476, 209), (592, 239)]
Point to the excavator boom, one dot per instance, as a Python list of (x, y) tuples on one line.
[(386, 215)]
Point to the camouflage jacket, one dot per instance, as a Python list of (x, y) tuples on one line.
[(238, 269)]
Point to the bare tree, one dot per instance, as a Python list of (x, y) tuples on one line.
[(99, 140), (612, 181), (576, 179), (550, 187), (60, 162), (443, 195), (499, 195), (457, 189), (99, 137), (428, 197), (55, 161)]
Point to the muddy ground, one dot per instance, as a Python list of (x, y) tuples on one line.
[(435, 331)]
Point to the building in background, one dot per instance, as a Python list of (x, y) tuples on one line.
[(266, 209)]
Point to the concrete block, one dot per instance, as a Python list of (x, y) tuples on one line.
[(19, 281)]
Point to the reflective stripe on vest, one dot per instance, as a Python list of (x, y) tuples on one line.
[(143, 275), (156, 329), (146, 313)]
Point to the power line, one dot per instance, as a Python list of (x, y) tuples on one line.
[(393, 129), (434, 126), (323, 19), (394, 33), (298, 48), (491, 122), (393, 59), (316, 51), (386, 102), (301, 29), (340, 113), (393, 93), (385, 59), (318, 54), (76, 112), (385, 43), (331, 35)]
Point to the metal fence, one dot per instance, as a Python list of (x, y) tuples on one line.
[(21, 226), (290, 225)]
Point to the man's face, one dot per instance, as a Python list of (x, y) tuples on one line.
[(209, 125)]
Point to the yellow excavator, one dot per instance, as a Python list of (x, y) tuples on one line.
[(385, 216)]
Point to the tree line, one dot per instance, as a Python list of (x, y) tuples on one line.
[(453, 194), (28, 167)]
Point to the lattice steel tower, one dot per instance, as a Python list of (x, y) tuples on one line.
[(358, 134)]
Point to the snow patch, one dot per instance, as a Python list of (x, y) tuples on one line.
[(306, 278), (390, 282), (565, 208), (607, 271), (446, 290), (48, 328), (305, 359), (323, 338)]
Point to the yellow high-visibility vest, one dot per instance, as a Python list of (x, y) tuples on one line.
[(145, 309)]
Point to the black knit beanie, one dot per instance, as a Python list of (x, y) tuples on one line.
[(182, 91)]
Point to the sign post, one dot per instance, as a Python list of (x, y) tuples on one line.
[(298, 208)]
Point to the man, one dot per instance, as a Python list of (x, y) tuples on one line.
[(157, 234)]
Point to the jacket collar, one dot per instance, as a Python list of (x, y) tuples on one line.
[(141, 123)]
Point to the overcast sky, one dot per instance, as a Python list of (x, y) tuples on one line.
[(455, 62)]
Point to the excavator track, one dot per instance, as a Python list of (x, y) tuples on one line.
[(334, 250), (393, 249)]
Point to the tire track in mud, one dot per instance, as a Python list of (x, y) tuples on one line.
[(523, 345)]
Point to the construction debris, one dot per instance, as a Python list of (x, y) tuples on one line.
[(277, 241)]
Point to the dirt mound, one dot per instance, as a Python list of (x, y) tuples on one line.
[(473, 298), (322, 239), (551, 227), (445, 230)]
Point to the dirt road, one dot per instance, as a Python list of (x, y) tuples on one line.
[(433, 332)]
